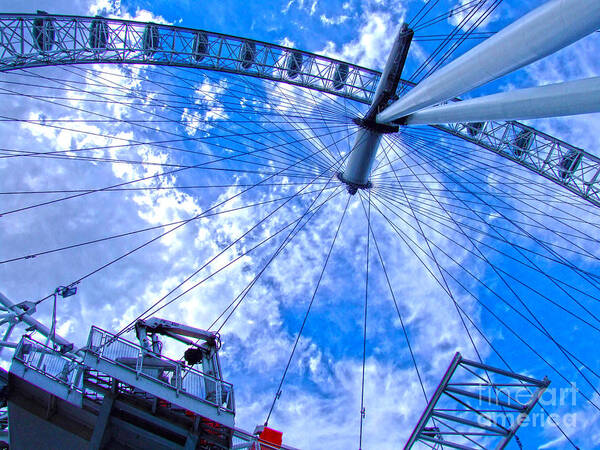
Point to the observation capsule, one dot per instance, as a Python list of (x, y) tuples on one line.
[(569, 163), (247, 54), (200, 46), (340, 75), (98, 34), (43, 32), (151, 39), (522, 143), (294, 64), (474, 128)]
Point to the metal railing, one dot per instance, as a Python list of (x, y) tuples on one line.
[(168, 372), (71, 373), (59, 367)]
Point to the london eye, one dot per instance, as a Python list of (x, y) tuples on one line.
[(397, 255)]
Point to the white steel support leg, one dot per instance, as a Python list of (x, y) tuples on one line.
[(541, 32), (553, 100), (361, 159)]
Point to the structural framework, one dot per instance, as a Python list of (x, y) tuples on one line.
[(146, 399), (33, 40)]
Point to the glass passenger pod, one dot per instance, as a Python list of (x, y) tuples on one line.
[(151, 39), (340, 75), (98, 34), (247, 54), (474, 128), (43, 32), (294, 64), (522, 143), (569, 163), (200, 46)]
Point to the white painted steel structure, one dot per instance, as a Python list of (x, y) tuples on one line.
[(186, 387), (467, 408), (81, 40), (98, 400), (366, 143), (553, 100), (564, 164), (360, 161), (14, 314), (541, 32)]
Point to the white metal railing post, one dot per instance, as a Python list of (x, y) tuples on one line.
[(139, 362), (177, 379), (7, 335)]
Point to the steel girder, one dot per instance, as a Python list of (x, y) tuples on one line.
[(566, 165), (33, 40), (476, 406)]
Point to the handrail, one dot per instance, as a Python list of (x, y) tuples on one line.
[(202, 386)]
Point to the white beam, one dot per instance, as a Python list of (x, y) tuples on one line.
[(39, 327), (541, 32), (553, 100)]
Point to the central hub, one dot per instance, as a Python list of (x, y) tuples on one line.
[(360, 162)]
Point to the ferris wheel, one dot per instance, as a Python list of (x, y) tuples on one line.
[(308, 209)]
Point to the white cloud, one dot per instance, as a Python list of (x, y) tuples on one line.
[(101, 7), (463, 15), (287, 42), (309, 7), (333, 20), (374, 41)]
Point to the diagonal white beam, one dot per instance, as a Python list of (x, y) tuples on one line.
[(553, 100), (39, 327), (541, 32)]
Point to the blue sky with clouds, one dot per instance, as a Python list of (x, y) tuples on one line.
[(496, 232)]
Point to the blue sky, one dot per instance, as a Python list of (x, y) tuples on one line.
[(513, 222)]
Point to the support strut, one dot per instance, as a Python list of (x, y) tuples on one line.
[(358, 170), (541, 32), (476, 406), (552, 100)]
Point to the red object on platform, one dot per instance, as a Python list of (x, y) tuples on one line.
[(272, 438)]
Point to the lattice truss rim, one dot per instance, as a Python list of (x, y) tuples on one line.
[(33, 40)]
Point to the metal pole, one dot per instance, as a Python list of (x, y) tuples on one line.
[(8, 344), (7, 336), (539, 33), (360, 161), (53, 327), (431, 405), (39, 327), (553, 100)]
